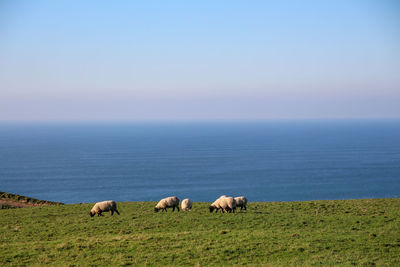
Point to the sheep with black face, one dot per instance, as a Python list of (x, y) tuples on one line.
[(168, 202), (223, 203), (104, 206)]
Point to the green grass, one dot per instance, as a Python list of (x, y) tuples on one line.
[(346, 233)]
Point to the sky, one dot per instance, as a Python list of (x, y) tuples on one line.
[(199, 60)]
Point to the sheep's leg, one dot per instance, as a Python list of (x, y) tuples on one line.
[(173, 208), (245, 208), (112, 212), (116, 211), (177, 207)]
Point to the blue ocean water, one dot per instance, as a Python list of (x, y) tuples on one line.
[(265, 161)]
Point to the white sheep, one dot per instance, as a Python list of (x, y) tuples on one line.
[(168, 202), (223, 203), (186, 204), (241, 202), (228, 204), (104, 206), (216, 205)]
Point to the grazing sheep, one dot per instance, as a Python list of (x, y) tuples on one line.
[(104, 206), (241, 202), (186, 204), (216, 205), (223, 203), (228, 204), (168, 202)]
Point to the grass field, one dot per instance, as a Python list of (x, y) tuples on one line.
[(345, 232)]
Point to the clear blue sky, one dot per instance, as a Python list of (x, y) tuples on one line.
[(187, 60)]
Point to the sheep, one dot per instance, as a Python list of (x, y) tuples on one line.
[(223, 203), (104, 206), (186, 204), (216, 205), (241, 202), (167, 202), (228, 204)]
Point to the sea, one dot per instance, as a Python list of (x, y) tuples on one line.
[(288, 160)]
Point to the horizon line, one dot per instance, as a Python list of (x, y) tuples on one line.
[(221, 120)]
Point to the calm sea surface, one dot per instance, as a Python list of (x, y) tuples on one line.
[(265, 161)]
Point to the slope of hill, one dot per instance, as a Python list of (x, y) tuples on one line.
[(343, 232), (8, 200)]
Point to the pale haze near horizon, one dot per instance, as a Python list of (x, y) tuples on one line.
[(178, 60)]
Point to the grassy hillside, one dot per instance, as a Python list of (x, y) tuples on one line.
[(8, 201), (350, 232)]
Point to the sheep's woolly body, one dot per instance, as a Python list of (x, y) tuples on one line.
[(215, 205), (168, 202), (228, 204), (186, 204), (241, 202), (223, 203), (104, 206)]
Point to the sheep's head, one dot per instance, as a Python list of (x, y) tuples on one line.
[(156, 209), (211, 208), (91, 214)]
